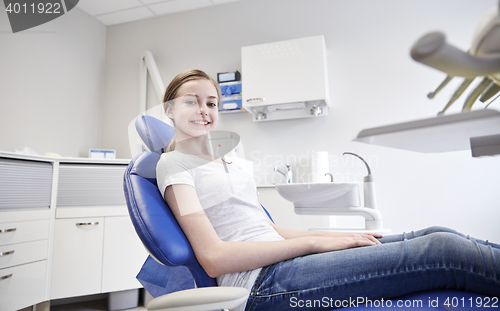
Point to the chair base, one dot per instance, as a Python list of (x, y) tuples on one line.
[(200, 299)]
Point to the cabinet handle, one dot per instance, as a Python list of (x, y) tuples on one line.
[(257, 99), (6, 277), (8, 230), (87, 223), (6, 253)]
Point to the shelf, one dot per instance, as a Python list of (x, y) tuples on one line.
[(42, 158), (438, 134)]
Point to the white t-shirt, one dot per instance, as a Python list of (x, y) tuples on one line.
[(228, 196)]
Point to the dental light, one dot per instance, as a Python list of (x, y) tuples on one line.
[(477, 130), (482, 60)]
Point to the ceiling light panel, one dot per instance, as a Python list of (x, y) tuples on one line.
[(97, 7), (154, 1), (125, 16), (222, 1), (175, 6)]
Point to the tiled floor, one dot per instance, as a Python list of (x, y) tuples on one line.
[(96, 305)]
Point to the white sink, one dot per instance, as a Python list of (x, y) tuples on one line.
[(321, 195), (340, 199)]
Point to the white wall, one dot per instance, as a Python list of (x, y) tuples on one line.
[(51, 85), (373, 82)]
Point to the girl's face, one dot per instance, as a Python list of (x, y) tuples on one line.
[(195, 109)]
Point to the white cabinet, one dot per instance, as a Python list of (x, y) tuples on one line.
[(95, 255), (25, 193), (23, 258), (77, 257), (286, 79), (96, 249), (64, 230)]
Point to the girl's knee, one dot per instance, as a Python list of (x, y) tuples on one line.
[(438, 229), (445, 241)]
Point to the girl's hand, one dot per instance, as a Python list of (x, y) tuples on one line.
[(347, 234), (371, 236), (292, 234)]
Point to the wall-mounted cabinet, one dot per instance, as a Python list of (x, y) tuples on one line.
[(286, 79)]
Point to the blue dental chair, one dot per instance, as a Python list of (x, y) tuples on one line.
[(166, 243), (161, 235)]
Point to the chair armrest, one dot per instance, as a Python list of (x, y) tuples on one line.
[(200, 299)]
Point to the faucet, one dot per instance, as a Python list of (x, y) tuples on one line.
[(288, 174), (331, 176)]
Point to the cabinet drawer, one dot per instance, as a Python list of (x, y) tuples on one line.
[(25, 231), (18, 254), (24, 215), (22, 286)]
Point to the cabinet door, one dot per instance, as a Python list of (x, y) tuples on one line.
[(16, 176), (23, 285), (77, 257), (123, 257)]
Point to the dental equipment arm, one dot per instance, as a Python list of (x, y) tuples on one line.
[(481, 60), (433, 50)]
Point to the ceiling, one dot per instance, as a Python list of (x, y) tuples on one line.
[(112, 12)]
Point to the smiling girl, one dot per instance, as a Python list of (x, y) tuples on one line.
[(215, 203)]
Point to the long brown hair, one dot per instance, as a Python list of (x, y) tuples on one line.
[(176, 83)]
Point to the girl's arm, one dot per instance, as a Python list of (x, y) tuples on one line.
[(218, 257), (293, 234)]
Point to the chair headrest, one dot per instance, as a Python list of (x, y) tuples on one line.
[(155, 133), (145, 165)]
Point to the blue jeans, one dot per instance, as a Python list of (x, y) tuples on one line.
[(432, 258)]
